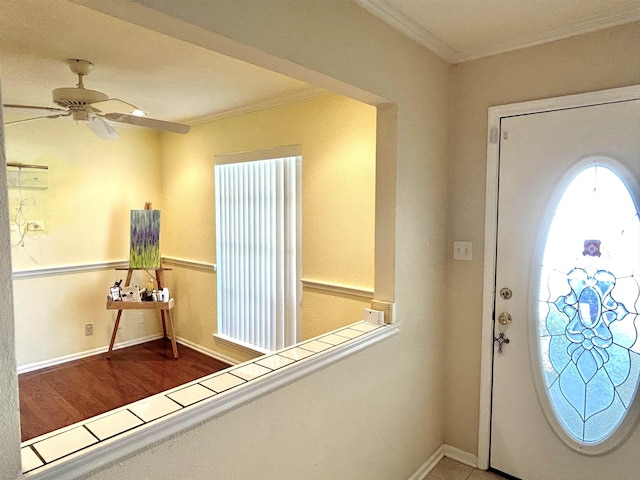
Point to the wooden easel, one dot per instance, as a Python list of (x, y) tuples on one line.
[(164, 307)]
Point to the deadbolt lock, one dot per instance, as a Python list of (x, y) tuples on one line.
[(506, 293), (504, 318)]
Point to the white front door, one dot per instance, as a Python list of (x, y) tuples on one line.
[(564, 400)]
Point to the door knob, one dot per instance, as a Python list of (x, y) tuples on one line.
[(504, 318)]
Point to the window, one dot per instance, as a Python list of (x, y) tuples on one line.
[(589, 292), (258, 250)]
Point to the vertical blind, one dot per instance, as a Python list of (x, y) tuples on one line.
[(258, 233)]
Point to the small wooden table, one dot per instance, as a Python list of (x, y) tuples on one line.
[(163, 307)]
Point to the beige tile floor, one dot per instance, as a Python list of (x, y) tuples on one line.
[(448, 469)]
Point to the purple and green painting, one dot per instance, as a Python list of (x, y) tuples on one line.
[(145, 239)]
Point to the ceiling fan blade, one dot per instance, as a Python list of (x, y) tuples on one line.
[(34, 107), (112, 105), (101, 128), (57, 115), (147, 122)]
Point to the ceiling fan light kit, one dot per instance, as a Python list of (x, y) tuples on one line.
[(84, 105)]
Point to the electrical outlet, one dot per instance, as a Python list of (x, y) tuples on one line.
[(88, 329), (373, 316), (35, 226)]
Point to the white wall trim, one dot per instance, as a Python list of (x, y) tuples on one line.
[(97, 266), (412, 29), (570, 29), (283, 151), (245, 347), (448, 451), (338, 288), (466, 458), (274, 102), (429, 465), (491, 216), (206, 351), (387, 12), (192, 264), (30, 367), (68, 269)]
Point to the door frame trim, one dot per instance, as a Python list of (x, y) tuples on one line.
[(495, 115)]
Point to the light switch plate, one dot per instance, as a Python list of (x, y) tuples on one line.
[(462, 251)]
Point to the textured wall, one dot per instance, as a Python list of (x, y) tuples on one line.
[(9, 417)]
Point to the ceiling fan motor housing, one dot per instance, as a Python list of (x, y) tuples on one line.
[(75, 98)]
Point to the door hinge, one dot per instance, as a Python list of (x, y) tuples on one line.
[(493, 135)]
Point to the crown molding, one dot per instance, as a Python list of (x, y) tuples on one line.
[(273, 102), (580, 27), (412, 29)]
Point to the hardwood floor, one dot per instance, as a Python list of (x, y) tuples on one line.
[(58, 396)]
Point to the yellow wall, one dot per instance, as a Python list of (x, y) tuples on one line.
[(337, 137), (92, 186), (596, 61)]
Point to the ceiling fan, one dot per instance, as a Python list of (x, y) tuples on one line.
[(94, 108)]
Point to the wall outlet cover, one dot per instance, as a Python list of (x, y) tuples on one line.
[(35, 226), (375, 317)]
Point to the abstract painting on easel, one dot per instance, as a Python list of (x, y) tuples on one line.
[(145, 239)]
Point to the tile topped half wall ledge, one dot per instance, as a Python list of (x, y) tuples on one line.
[(98, 441)]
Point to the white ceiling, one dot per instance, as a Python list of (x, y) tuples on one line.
[(176, 81), (461, 30)]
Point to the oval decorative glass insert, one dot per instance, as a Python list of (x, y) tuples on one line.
[(587, 309)]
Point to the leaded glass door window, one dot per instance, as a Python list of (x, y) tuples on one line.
[(587, 335)]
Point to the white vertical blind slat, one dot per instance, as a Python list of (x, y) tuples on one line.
[(251, 253)]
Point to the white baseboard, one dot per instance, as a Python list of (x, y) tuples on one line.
[(444, 451), (30, 367), (427, 466), (237, 344), (206, 351), (460, 456)]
